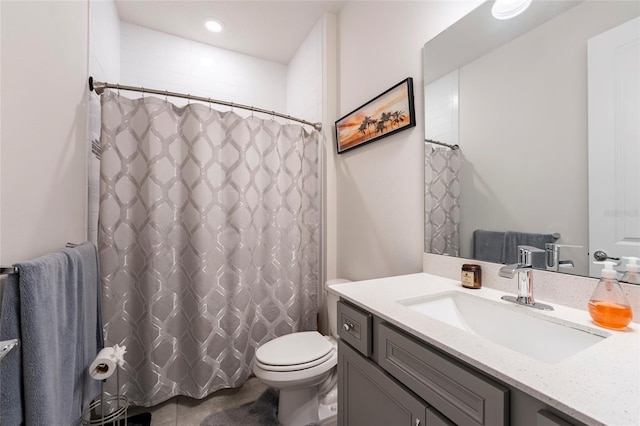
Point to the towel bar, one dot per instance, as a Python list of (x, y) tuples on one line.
[(8, 270)]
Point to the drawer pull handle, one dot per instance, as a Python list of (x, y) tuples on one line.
[(347, 327), (417, 422)]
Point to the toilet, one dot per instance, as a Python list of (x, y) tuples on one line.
[(302, 366)]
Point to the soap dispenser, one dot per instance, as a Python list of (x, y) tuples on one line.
[(632, 274), (608, 305)]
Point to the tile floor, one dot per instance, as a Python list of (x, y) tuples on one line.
[(185, 411)]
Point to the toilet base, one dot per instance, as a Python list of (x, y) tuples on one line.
[(328, 410), (298, 406), (301, 407)]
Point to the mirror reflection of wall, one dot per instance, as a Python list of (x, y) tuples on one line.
[(523, 126)]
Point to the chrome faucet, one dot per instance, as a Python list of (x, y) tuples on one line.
[(552, 257), (524, 268)]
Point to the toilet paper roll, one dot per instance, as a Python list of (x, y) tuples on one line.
[(104, 365)]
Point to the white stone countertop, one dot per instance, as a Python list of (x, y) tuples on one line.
[(598, 386)]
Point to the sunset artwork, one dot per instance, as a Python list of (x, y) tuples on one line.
[(388, 113)]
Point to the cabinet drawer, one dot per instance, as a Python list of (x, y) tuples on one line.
[(354, 327), (459, 393)]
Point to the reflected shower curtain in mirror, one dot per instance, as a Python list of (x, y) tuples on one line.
[(442, 200), (208, 240)]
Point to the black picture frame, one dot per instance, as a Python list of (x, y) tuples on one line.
[(388, 113)]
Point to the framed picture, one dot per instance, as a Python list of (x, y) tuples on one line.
[(384, 115)]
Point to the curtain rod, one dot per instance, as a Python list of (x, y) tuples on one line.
[(454, 147), (99, 86)]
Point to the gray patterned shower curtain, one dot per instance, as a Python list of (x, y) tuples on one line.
[(442, 200), (208, 241)]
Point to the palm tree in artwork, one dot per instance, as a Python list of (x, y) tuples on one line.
[(398, 117), (363, 128), (366, 123), (381, 124), (373, 122)]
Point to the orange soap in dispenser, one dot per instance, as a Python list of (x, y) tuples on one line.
[(608, 305)]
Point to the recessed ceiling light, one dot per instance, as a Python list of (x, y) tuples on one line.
[(213, 25), (507, 9)]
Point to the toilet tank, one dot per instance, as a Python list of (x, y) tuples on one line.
[(331, 301)]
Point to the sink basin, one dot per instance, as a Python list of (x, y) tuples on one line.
[(508, 326)]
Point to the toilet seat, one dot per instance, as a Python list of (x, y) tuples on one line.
[(295, 377), (296, 367), (296, 351)]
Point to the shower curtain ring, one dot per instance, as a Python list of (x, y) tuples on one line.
[(118, 88), (188, 98), (209, 100), (231, 106), (166, 95), (142, 92)]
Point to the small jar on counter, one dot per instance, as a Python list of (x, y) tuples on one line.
[(471, 276)]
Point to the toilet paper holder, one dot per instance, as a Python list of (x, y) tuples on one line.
[(6, 346), (107, 409)]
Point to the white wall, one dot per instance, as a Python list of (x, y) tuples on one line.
[(329, 113), (304, 78), (104, 41), (161, 61), (104, 66), (305, 88), (380, 185), (531, 144), (43, 114)]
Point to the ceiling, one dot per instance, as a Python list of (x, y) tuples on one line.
[(271, 30)]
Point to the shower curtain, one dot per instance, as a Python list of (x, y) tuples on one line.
[(208, 240), (442, 200)]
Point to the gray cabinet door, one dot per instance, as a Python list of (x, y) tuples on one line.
[(436, 419), (367, 397)]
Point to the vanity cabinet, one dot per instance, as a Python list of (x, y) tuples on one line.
[(459, 393), (371, 396), (388, 377)]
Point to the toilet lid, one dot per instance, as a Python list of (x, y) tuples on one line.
[(294, 349)]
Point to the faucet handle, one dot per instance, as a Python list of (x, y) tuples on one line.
[(552, 259), (525, 254)]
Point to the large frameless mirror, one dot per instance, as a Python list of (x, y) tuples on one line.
[(542, 109)]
